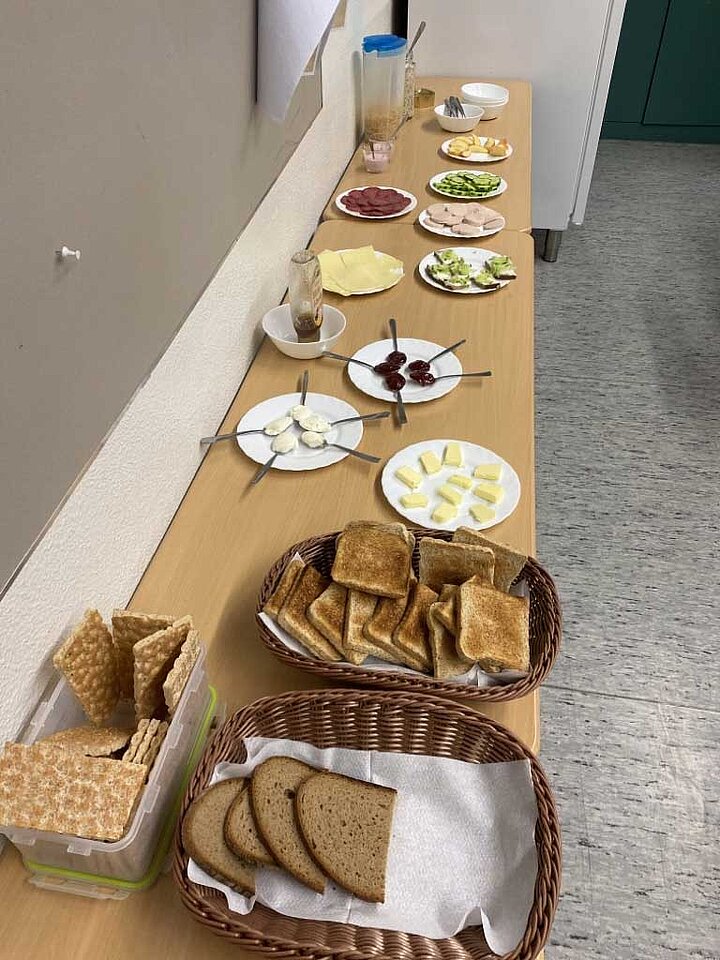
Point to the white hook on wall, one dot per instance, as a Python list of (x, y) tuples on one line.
[(65, 253)]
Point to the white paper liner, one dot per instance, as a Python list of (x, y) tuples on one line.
[(462, 851)]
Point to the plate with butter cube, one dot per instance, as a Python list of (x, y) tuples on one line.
[(446, 484)]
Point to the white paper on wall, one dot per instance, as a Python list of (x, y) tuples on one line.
[(289, 31)]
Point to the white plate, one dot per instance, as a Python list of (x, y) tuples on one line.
[(399, 274), (374, 383), (476, 256), (447, 231), (434, 181), (474, 455), (257, 445), (475, 157), (388, 216)]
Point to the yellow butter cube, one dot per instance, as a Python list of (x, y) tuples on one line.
[(482, 513), (453, 455), (488, 471), (430, 462), (458, 480), (444, 512), (411, 478), (447, 493), (489, 491), (412, 500)]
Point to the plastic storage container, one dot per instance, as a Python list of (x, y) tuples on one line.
[(383, 88), (97, 868)]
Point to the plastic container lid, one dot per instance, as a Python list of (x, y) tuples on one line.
[(384, 44)]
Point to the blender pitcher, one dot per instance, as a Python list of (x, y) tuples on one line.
[(383, 89)]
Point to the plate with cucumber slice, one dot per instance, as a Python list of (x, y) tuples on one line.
[(468, 184), (467, 270)]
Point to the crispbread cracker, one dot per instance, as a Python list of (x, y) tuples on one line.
[(293, 614), (87, 660), (509, 563), (447, 662), (135, 741), (128, 628), (285, 585), (442, 562), (374, 558), (154, 657), (45, 787), (90, 741), (149, 735), (180, 671), (493, 627), (152, 746), (411, 634), (327, 613)]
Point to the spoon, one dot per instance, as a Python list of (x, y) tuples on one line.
[(355, 453), (418, 34), (339, 356), (402, 415), (208, 441), (304, 388), (447, 350)]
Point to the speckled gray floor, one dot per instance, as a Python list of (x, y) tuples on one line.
[(628, 464)]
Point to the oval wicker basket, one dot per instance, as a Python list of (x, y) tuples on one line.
[(545, 632), (370, 721)]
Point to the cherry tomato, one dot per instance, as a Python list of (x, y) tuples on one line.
[(395, 381), (386, 367), (397, 358), (418, 365), (423, 377)]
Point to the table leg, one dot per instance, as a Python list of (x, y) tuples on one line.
[(553, 238)]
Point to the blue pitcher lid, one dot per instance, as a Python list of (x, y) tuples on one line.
[(383, 43)]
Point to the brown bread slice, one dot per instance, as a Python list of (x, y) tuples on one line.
[(446, 609), (411, 634), (203, 837), (442, 562), (285, 585), (273, 786), (374, 558), (241, 833), (293, 614), (356, 647), (347, 825), (447, 662), (327, 613), (509, 563), (493, 627)]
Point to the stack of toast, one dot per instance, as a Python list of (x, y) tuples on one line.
[(314, 824), (457, 612)]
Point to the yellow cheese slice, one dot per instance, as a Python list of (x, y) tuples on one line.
[(430, 462), (444, 512), (412, 500), (458, 480), (482, 513), (453, 455), (488, 471), (489, 491), (353, 271), (449, 494), (411, 478)]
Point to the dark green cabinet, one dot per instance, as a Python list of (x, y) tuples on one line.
[(664, 84)]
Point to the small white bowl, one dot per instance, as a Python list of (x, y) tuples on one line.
[(492, 113), (277, 324), (473, 113), (485, 93)]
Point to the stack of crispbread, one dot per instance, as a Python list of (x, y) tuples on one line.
[(456, 613), (314, 824), (87, 780)]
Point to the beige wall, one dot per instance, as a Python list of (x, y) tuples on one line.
[(129, 131)]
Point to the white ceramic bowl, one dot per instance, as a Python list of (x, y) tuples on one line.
[(473, 113), (485, 93), (277, 324)]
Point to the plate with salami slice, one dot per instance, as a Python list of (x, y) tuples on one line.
[(376, 203)]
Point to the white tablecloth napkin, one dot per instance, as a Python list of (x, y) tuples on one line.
[(462, 851)]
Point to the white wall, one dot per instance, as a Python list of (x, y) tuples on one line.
[(104, 535)]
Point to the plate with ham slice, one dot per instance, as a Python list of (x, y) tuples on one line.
[(376, 203), (461, 220)]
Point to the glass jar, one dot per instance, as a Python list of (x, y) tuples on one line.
[(306, 296), (377, 155), (383, 85)]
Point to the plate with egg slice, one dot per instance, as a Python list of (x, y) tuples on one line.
[(445, 484), (299, 434)]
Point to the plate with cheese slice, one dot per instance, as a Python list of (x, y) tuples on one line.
[(445, 484), (359, 271)]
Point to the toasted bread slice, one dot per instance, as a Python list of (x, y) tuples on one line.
[(442, 562), (347, 825), (374, 558), (509, 563), (447, 662), (293, 614), (285, 585), (273, 787), (356, 647), (327, 614), (241, 833), (493, 627), (411, 634), (204, 840), (379, 630), (446, 609)]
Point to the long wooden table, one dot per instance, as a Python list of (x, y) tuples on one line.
[(418, 156)]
